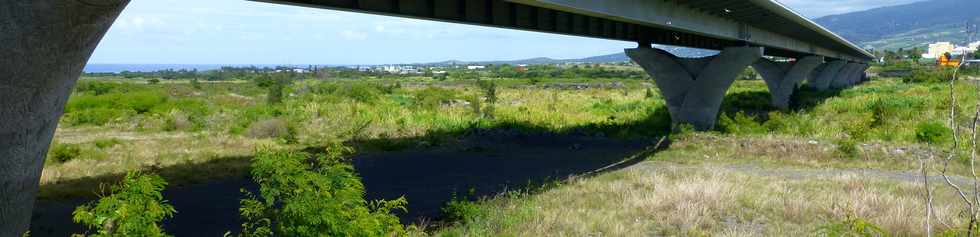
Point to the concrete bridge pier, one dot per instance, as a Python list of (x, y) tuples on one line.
[(46, 43), (862, 75), (782, 78), (827, 75), (848, 76), (843, 78), (694, 87)]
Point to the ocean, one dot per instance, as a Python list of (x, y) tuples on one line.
[(116, 68)]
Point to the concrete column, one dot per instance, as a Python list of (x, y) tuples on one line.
[(862, 75), (694, 87), (829, 72), (843, 78), (783, 77), (848, 76), (46, 43)]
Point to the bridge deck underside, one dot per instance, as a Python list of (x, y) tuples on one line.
[(507, 14)]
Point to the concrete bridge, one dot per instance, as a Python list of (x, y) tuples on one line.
[(46, 43)]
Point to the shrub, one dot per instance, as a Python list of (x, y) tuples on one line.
[(740, 124), (97, 116), (195, 84), (272, 128), (63, 152), (847, 148), (851, 227), (95, 87), (153, 81), (176, 120), (360, 92), (927, 76), (107, 143), (135, 207), (433, 97), (460, 210), (931, 132), (313, 195)]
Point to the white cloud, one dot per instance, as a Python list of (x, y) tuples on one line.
[(352, 35)]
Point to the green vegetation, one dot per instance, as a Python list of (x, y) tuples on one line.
[(135, 207), (314, 195), (746, 177)]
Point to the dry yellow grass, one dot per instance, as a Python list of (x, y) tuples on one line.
[(669, 196)]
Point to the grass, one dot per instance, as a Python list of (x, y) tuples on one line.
[(706, 186), (836, 159)]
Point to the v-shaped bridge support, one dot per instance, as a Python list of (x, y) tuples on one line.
[(694, 87)]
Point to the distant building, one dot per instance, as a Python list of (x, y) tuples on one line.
[(475, 67), (939, 49)]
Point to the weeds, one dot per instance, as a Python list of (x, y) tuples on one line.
[(62, 152), (314, 195), (852, 226), (135, 207), (931, 132)]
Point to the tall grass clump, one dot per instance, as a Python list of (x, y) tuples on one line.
[(313, 195), (62, 152), (135, 207)]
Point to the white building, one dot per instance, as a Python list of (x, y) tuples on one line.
[(938, 49), (475, 67)]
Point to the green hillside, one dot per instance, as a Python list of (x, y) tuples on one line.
[(904, 26)]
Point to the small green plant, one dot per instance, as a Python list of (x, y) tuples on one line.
[(740, 124), (847, 148), (135, 207), (649, 93), (107, 143), (153, 81), (314, 195), (931, 132), (273, 128), (432, 98), (460, 210), (195, 84), (62, 152), (851, 227), (489, 89)]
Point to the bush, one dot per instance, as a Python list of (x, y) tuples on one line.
[(313, 195), (135, 207), (107, 143), (851, 227), (272, 128), (847, 148), (931, 132), (927, 76), (176, 120), (433, 97), (97, 116), (360, 92), (62, 152), (460, 210), (740, 124)]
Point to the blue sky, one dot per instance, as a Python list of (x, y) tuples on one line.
[(243, 32)]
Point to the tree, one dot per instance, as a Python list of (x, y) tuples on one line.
[(153, 81)]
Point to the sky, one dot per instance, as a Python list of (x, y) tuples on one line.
[(245, 32)]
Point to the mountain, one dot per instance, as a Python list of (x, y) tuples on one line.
[(609, 58), (904, 26)]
